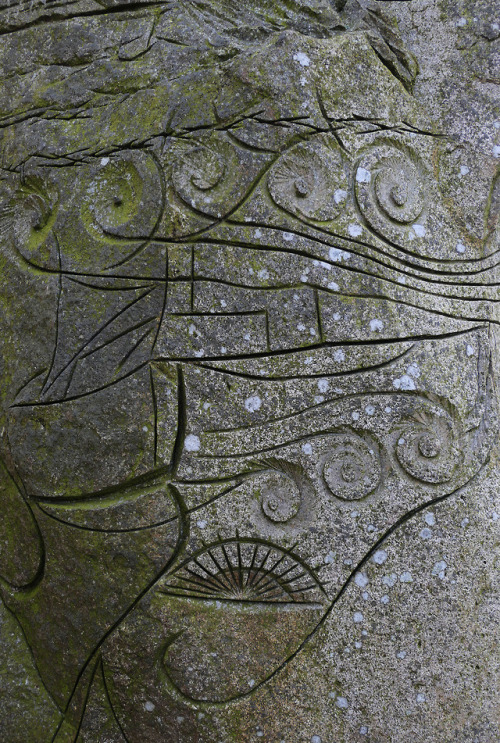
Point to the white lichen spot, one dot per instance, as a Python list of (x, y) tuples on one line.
[(104, 160), (301, 327), (365, 595), (388, 409), (401, 654), (376, 325), (420, 698), (192, 443), (464, 170), (330, 558), (340, 195), (251, 683), (419, 230), (406, 577), (363, 175), (385, 599), (379, 557), (302, 59), (430, 519), (323, 385), (357, 617), (470, 350), (358, 645), (339, 355), (355, 230), (495, 516), (464, 522), (149, 707), (263, 273), (288, 237), (318, 399), (405, 383), (426, 533), (414, 371), (370, 410), (304, 278), (355, 416), (342, 703), (390, 580), (201, 524), (460, 248), (363, 730), (439, 569), (361, 580), (258, 234), (333, 286), (307, 449), (462, 22), (496, 150), (315, 739), (336, 255), (253, 403)]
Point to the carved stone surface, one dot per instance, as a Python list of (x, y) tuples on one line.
[(249, 298)]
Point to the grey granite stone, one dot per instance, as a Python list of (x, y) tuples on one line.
[(249, 429)]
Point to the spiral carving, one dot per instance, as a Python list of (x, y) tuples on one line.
[(26, 217), (280, 496), (123, 197), (352, 467), (391, 191), (206, 176), (309, 181), (427, 448)]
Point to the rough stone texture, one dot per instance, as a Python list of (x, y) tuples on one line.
[(249, 380)]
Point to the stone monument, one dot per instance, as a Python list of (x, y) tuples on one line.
[(249, 427)]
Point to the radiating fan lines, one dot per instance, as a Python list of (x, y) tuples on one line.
[(235, 570)]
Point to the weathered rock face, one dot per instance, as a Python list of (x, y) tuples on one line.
[(249, 403)]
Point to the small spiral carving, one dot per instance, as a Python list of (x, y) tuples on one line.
[(206, 176), (427, 448), (123, 197), (27, 216), (280, 496), (352, 468), (309, 181), (391, 190)]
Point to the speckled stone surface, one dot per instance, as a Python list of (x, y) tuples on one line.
[(249, 313)]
